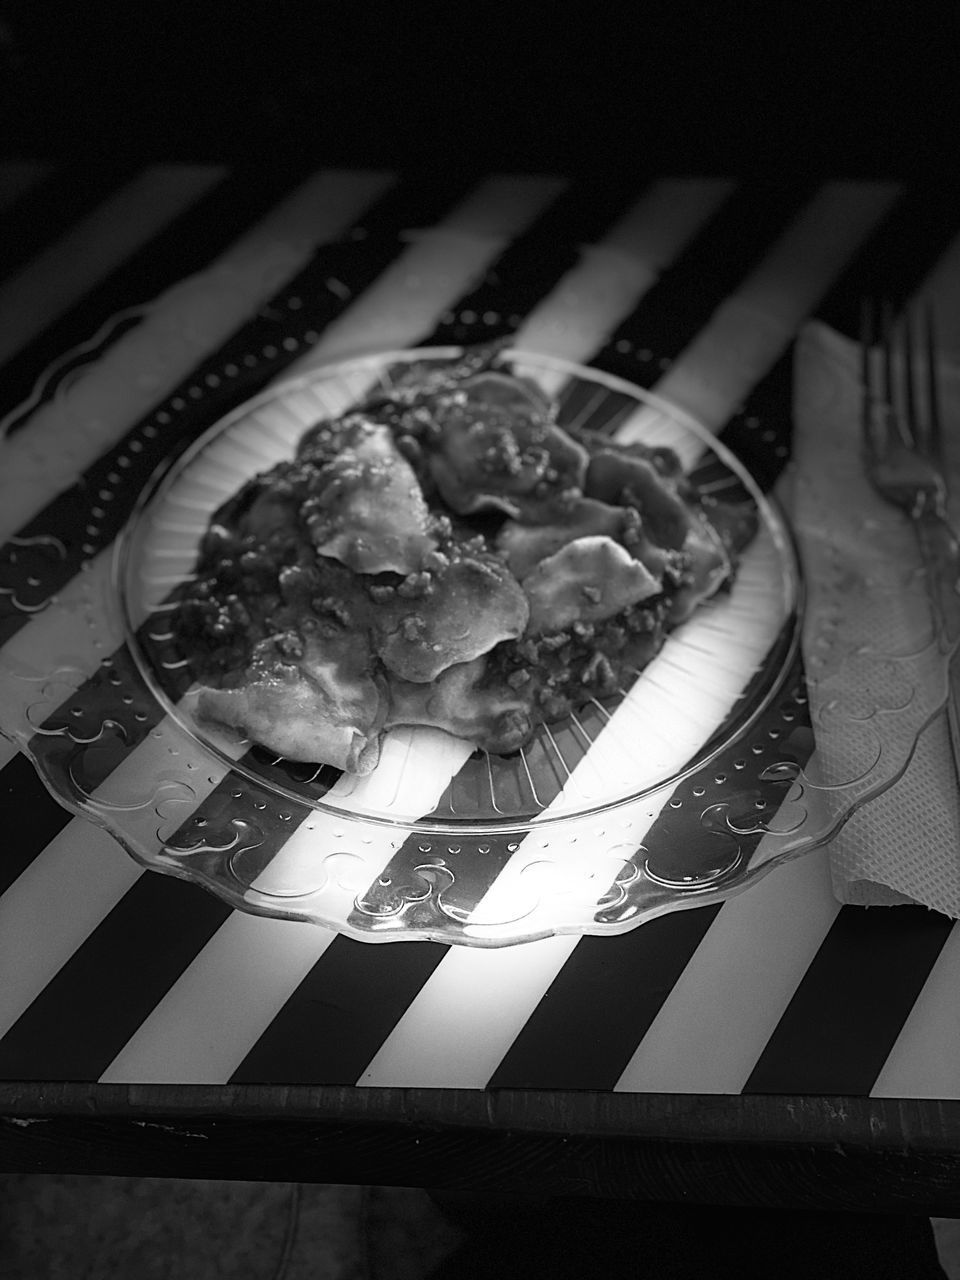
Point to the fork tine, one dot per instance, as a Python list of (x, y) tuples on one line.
[(886, 346), (934, 438), (909, 386), (866, 378), (896, 424)]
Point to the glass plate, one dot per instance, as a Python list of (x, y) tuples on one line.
[(683, 789)]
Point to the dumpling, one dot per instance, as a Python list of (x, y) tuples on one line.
[(323, 705), (263, 507), (486, 712), (449, 616), (587, 581), (628, 481), (708, 567), (496, 456), (523, 546), (508, 391), (367, 509)]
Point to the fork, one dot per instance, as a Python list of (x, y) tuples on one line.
[(902, 445)]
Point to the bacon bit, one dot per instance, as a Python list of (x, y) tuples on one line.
[(415, 586), (334, 608), (331, 492), (290, 645), (599, 671), (412, 626), (436, 562)]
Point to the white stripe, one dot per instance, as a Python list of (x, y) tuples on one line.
[(181, 327), (797, 263), (754, 325), (925, 1059), (488, 996), (397, 310), (56, 650), (43, 289), (585, 307), (720, 1015), (17, 177), (201, 1030)]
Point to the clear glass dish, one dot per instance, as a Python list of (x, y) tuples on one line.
[(683, 789)]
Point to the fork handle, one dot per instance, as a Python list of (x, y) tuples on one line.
[(940, 548)]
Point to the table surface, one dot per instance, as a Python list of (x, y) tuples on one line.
[(146, 1027)]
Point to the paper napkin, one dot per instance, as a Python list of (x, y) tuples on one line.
[(904, 845)]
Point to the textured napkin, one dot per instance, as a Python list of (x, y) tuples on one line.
[(904, 845)]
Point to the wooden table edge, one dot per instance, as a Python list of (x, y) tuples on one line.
[(837, 1153)]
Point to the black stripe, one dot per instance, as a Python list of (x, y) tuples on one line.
[(903, 249), (393, 899), (22, 793), (92, 732), (668, 316), (584, 1031), (760, 432), (22, 186), (242, 821), (847, 1012), (340, 1014), (88, 1012), (49, 208), (671, 313), (535, 262), (186, 245)]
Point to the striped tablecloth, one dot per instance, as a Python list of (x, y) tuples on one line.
[(182, 282)]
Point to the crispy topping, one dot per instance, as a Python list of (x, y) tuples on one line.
[(444, 554)]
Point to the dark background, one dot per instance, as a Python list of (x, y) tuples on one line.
[(849, 88)]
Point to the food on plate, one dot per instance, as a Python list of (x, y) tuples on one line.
[(445, 553)]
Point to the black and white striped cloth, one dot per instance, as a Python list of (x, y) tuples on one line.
[(175, 282)]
